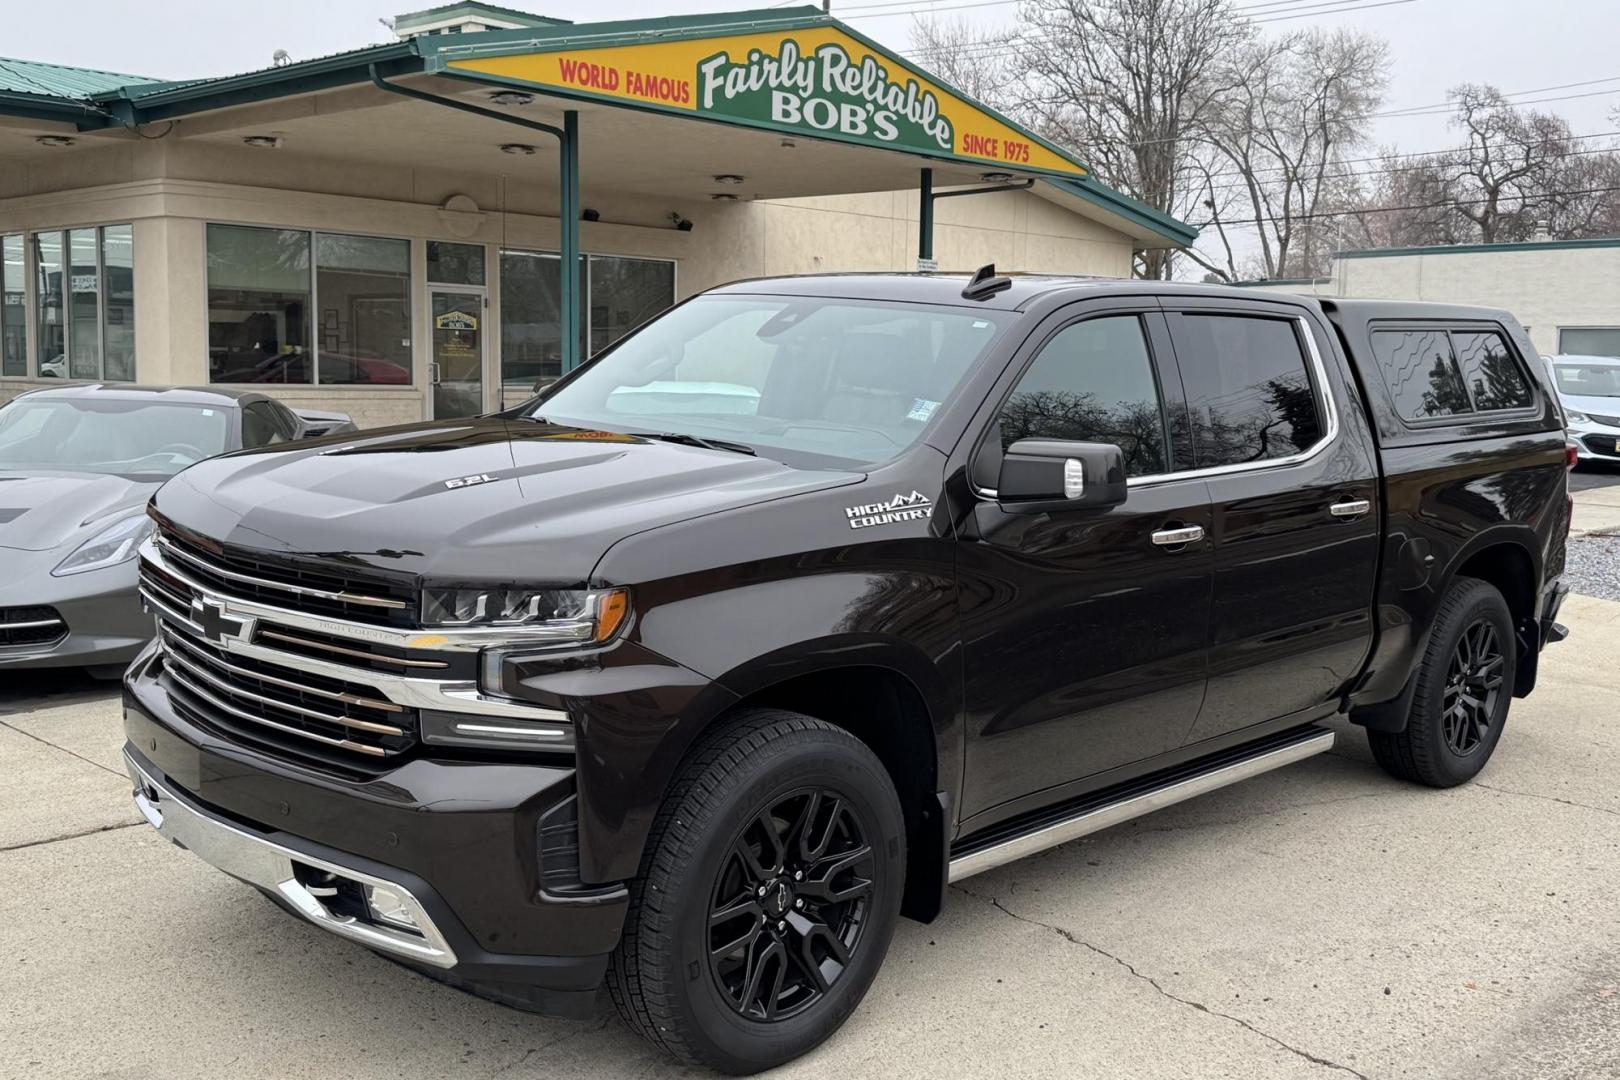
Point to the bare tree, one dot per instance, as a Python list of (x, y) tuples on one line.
[(976, 61), (1297, 104), (1520, 175), (1130, 85)]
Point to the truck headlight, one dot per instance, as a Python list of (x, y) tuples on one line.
[(585, 616), (115, 544)]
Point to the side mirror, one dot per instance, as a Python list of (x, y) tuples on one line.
[(1045, 475)]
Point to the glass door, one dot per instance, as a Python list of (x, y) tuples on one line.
[(458, 353)]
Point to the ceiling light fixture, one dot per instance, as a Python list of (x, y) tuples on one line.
[(263, 142), (511, 97), (517, 148), (728, 178), (723, 196), (995, 177), (53, 140)]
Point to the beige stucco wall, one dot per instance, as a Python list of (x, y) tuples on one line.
[(171, 190), (1546, 288)]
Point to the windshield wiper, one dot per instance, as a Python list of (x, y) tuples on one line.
[(697, 440)]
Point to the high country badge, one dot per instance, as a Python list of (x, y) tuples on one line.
[(913, 507)]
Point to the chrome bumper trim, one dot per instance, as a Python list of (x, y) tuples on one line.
[(271, 866), (1102, 817)]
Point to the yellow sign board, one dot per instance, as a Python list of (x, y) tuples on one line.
[(815, 81), (455, 320)]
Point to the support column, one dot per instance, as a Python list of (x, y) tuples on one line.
[(572, 290), (925, 221)]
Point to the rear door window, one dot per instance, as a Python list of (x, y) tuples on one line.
[(1248, 388)]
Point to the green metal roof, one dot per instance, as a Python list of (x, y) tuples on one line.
[(1128, 208), (93, 99), (60, 81)]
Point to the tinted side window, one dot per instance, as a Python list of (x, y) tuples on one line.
[(259, 427), (1093, 382), (1421, 373), (1490, 372), (1248, 388)]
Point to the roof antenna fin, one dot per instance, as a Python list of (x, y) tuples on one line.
[(986, 283)]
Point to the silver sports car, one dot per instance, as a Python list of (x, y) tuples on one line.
[(77, 465)]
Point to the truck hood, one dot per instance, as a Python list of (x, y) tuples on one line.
[(470, 501), (44, 510)]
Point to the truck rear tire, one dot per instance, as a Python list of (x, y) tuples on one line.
[(1464, 688), (767, 895)]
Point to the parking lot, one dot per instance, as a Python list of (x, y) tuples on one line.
[(1321, 920)]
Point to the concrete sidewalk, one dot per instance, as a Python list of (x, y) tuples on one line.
[(1320, 921)]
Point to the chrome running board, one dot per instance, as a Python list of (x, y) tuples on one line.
[(1094, 817)]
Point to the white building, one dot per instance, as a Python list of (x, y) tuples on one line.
[(1565, 292), (381, 231)]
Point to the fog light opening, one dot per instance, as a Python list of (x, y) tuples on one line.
[(390, 907)]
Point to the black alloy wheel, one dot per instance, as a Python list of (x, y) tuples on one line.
[(1473, 684), (789, 904), (1460, 693), (767, 895)]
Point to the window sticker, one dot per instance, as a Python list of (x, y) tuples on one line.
[(921, 409)]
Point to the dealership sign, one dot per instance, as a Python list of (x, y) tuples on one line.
[(818, 81)]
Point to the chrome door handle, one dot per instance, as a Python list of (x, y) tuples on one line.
[(1350, 508), (1184, 535)]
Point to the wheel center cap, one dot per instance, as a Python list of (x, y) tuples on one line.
[(779, 899)]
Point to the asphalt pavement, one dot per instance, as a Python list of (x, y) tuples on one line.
[(1321, 921)]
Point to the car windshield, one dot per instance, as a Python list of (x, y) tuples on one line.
[(1589, 380), (808, 380), (136, 439)]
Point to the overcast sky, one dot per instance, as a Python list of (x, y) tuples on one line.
[(1436, 44)]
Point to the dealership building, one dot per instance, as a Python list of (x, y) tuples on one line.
[(424, 228), (1566, 293)]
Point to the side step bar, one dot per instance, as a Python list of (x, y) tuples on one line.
[(1093, 818)]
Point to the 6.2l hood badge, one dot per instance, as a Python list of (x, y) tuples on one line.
[(913, 507)]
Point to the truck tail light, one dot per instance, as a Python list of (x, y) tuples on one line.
[(1571, 456)]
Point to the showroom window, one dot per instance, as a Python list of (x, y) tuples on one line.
[(84, 295), (619, 295), (13, 307), (291, 306), (1589, 341)]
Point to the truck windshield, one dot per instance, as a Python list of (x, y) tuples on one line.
[(128, 438), (827, 381), (1589, 380)]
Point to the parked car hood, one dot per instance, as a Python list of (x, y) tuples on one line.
[(44, 510), (470, 501), (1603, 406)]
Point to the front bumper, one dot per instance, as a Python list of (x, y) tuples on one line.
[(457, 841), (105, 623), (296, 877), (1595, 442)]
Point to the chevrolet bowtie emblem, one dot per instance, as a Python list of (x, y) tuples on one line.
[(210, 617)]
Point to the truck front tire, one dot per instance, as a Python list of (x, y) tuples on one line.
[(767, 896), (1464, 687)]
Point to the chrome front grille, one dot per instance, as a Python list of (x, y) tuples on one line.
[(261, 695), (288, 678), (288, 582), (30, 626)]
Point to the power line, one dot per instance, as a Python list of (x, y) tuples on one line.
[(1448, 204)]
